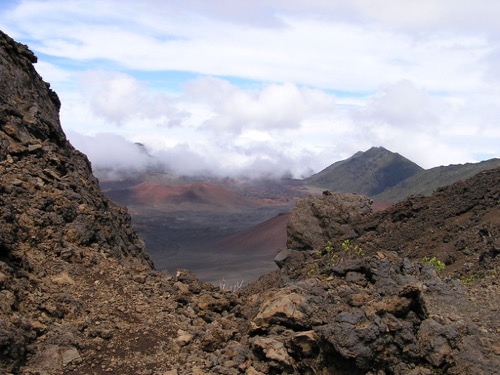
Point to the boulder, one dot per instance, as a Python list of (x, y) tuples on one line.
[(329, 217)]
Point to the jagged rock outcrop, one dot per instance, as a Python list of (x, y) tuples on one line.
[(49, 196), (429, 325), (78, 294), (380, 314), (52, 212)]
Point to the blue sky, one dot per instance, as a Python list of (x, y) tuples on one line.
[(268, 86)]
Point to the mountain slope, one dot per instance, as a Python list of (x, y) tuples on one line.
[(264, 238), (427, 181), (55, 224), (370, 172)]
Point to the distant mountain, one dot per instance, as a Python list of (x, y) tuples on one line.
[(370, 172), (389, 177), (427, 181)]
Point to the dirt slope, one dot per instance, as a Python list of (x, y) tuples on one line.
[(264, 238)]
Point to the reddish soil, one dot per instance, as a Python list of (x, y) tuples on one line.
[(153, 193), (264, 238), (380, 205)]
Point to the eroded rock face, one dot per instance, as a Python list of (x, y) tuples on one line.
[(317, 219), (49, 196), (52, 213)]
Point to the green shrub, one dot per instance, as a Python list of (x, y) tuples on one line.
[(329, 256), (434, 262)]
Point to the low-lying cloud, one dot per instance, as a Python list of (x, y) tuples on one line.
[(213, 127), (112, 153), (114, 157)]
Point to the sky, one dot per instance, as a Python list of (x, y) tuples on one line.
[(267, 87)]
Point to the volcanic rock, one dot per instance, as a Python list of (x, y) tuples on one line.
[(317, 219)]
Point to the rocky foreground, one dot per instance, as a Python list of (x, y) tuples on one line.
[(79, 295)]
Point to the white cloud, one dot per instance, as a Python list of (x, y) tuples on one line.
[(311, 49), (269, 107), (403, 105), (111, 152), (492, 71), (263, 132), (274, 85), (280, 129), (431, 130), (119, 97), (54, 73)]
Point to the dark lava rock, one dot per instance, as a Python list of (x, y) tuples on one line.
[(318, 219)]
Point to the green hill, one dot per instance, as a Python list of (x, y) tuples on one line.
[(371, 172)]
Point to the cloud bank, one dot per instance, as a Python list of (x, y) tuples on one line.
[(268, 87)]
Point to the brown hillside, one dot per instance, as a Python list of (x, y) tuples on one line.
[(154, 193), (459, 224), (264, 238), (199, 193), (205, 193)]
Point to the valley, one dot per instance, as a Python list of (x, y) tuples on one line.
[(228, 230), (194, 240), (224, 231)]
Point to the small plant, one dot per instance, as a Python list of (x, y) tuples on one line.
[(484, 274), (314, 269), (467, 279), (434, 262), (329, 256), (353, 250), (232, 288)]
